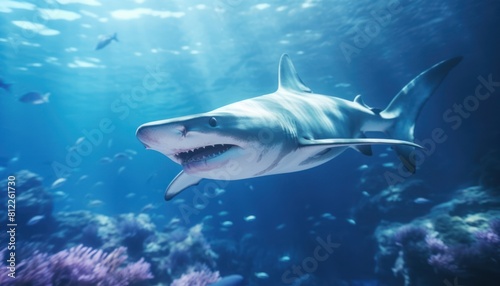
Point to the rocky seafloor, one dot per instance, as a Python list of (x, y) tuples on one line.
[(450, 242)]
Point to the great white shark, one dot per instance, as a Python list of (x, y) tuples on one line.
[(289, 130)]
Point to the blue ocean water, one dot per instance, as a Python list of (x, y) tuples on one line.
[(176, 58)]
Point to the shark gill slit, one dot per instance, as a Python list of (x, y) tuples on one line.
[(275, 163)]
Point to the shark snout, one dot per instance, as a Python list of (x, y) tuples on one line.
[(144, 135), (156, 136)]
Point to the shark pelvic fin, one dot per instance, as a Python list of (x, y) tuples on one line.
[(364, 149), (181, 182), (288, 78)]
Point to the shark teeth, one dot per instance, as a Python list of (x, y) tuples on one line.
[(202, 153)]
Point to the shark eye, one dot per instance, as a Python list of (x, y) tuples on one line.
[(212, 121)]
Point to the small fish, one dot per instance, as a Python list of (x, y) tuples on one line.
[(261, 275), (223, 213), (148, 207), (363, 167), (82, 178), (60, 194), (174, 221), (95, 203), (34, 97), (58, 183), (5, 161), (105, 40), (249, 218), (4, 85), (79, 140), (280, 226), (178, 201), (97, 184), (121, 156), (351, 221), (343, 84), (382, 155), (207, 217), (227, 223), (105, 160), (388, 164), (200, 206), (365, 193), (121, 169), (284, 258), (328, 216), (421, 201), (130, 195), (231, 280), (36, 219), (219, 191), (130, 152)]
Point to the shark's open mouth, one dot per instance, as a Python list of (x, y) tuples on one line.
[(203, 153)]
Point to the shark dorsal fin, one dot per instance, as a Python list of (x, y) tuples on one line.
[(288, 79)]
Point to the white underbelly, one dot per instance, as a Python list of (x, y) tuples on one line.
[(299, 161)]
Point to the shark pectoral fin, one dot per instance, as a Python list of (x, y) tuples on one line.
[(353, 142), (181, 182)]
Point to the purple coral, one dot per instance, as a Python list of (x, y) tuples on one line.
[(483, 253), (200, 277), (435, 245), (444, 262), (495, 226), (80, 266)]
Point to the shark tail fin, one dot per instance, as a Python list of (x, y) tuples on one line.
[(115, 37), (405, 107)]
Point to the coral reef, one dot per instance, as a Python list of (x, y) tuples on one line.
[(198, 276), (173, 254), (395, 203), (71, 250), (32, 199), (452, 241), (134, 230), (80, 265)]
